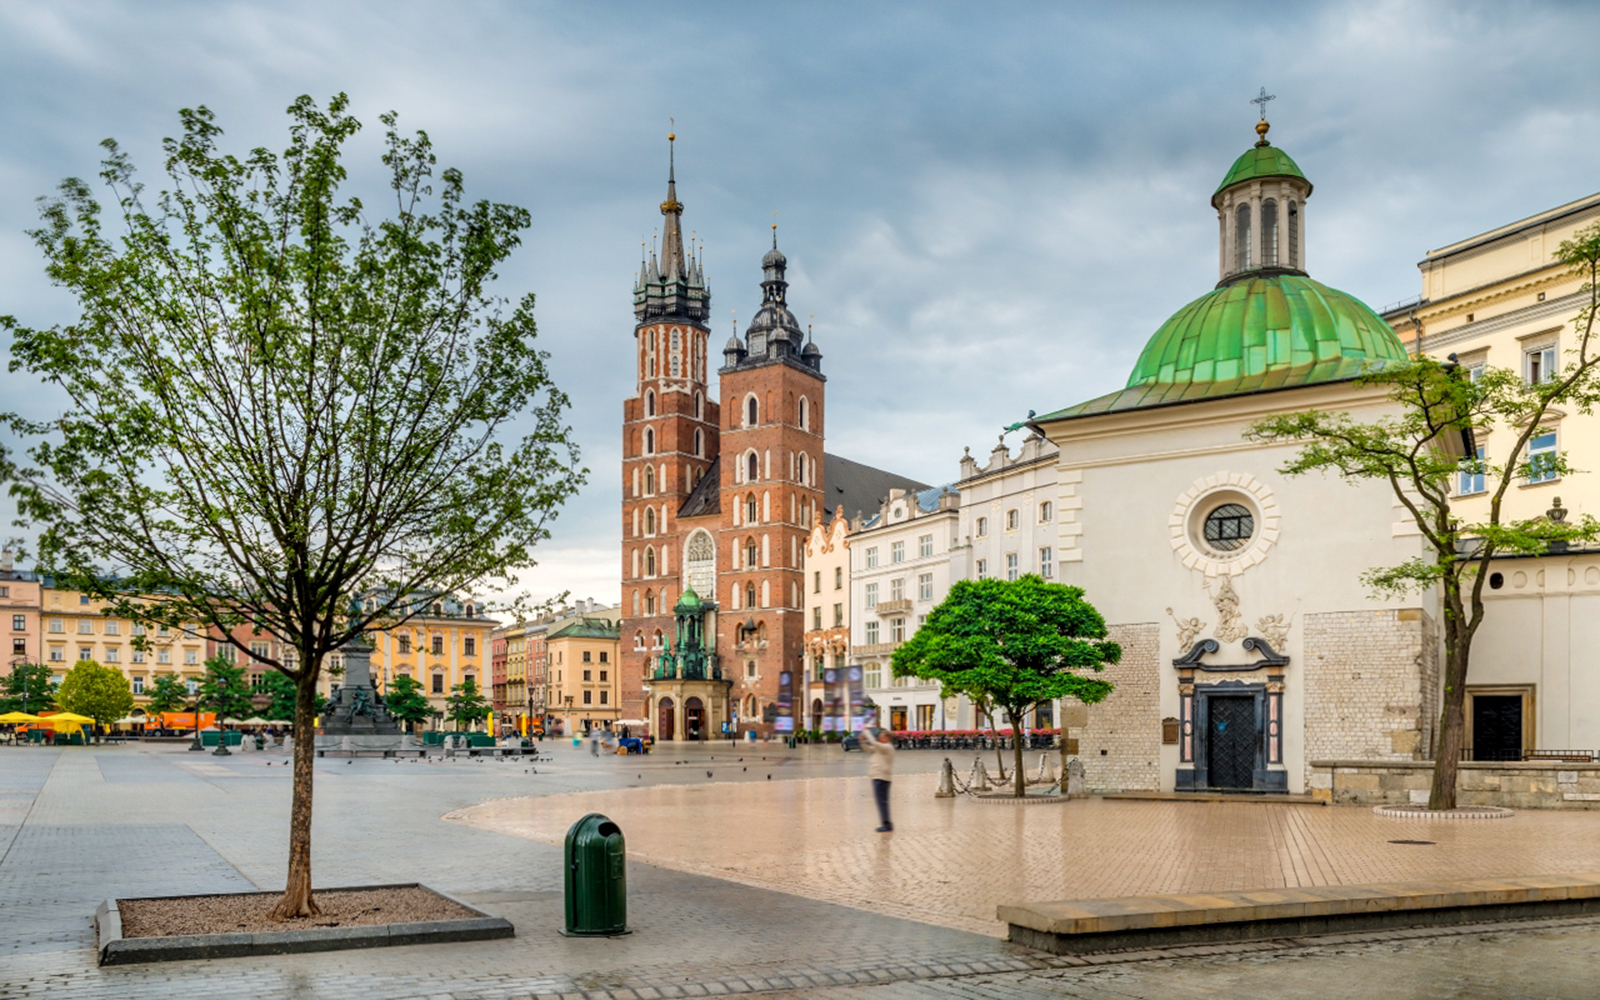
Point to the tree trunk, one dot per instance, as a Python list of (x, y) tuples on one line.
[(297, 901), (1452, 721), (1019, 775)]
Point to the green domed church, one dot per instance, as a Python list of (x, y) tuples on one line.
[(1250, 647)]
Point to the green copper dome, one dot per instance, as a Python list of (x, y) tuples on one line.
[(1261, 331), (1260, 161)]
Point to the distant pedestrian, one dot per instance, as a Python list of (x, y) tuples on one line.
[(880, 749)]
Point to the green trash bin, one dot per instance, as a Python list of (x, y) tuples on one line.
[(596, 878)]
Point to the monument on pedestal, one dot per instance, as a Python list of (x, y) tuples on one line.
[(356, 718)]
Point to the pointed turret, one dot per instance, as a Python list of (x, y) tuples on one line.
[(673, 286)]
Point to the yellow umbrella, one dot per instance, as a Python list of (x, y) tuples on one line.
[(68, 717), (11, 718)]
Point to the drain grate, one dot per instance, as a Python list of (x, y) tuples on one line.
[(1411, 842)]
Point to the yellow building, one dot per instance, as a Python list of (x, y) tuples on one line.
[(75, 628), (441, 648), (514, 704), (1500, 299), (583, 673)]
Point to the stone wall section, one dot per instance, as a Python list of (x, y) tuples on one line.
[(1370, 685), (1121, 746), (1533, 784)]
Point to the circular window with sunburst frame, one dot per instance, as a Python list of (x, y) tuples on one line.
[(1224, 524)]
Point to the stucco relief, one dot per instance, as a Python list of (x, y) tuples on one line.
[(1230, 623), (1189, 630), (1274, 629)]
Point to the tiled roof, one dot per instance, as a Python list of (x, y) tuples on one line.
[(857, 487), (706, 497)]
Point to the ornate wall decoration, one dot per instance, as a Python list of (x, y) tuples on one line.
[(1230, 624), (1189, 630), (1186, 525), (1274, 629)]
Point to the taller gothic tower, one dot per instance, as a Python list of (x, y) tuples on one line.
[(669, 438)]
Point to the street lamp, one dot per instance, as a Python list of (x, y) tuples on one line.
[(195, 705)]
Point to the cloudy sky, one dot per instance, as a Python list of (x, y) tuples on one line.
[(987, 207)]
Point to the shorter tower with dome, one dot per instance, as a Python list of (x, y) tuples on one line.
[(1250, 645)]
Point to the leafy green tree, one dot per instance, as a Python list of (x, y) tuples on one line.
[(286, 408), (406, 702), (28, 688), (1017, 643), (101, 693), (465, 704), (283, 694), (169, 693), (1422, 447), (225, 690)]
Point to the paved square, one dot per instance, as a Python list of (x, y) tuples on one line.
[(806, 901)]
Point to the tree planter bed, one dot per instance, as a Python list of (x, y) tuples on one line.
[(168, 928)]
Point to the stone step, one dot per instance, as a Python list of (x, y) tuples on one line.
[(1276, 798), (1083, 926)]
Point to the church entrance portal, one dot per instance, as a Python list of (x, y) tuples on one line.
[(694, 719), (1233, 738), (664, 717)]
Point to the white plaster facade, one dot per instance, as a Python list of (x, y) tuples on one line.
[(900, 569), (827, 610)]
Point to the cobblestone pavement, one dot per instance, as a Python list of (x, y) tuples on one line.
[(81, 824), (951, 861)]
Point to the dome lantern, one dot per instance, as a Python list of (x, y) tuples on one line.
[(1261, 212)]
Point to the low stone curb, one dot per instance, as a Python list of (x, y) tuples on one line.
[(114, 949), (1026, 800), (1084, 926), (1459, 812)]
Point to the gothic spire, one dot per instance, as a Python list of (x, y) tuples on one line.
[(674, 282), (672, 262)]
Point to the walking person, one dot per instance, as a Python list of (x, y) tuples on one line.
[(879, 746)]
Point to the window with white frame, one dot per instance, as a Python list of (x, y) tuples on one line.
[(838, 615), (897, 590), (113, 654), (138, 684), (138, 656), (925, 587), (872, 557), (983, 569), (872, 676), (981, 528), (1471, 476), (1539, 363), (1046, 563), (1542, 457), (57, 654), (872, 595), (57, 625), (872, 633), (85, 652), (85, 626), (163, 656), (190, 684), (924, 546), (897, 552), (897, 630), (112, 628), (1046, 512), (190, 657), (1013, 518), (1011, 565)]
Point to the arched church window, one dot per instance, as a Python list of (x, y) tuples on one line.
[(649, 481), (649, 602), (699, 406), (699, 444), (749, 595), (750, 557), (635, 602), (750, 509), (752, 411), (650, 404), (1294, 235), (660, 640), (676, 363), (1242, 239), (805, 424), (649, 520), (649, 441), (650, 562), (674, 338), (1269, 233), (752, 467), (1229, 527), (700, 563)]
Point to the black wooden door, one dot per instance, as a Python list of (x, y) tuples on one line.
[(1497, 727), (1232, 739)]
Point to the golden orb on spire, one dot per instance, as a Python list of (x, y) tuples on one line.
[(1261, 129), (672, 137)]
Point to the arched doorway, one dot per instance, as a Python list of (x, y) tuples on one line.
[(694, 718), (816, 713), (664, 719)]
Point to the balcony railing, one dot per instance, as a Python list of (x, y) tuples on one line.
[(899, 607)]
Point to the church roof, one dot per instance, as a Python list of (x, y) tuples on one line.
[(857, 487), (1260, 161), (1262, 331), (706, 497), (587, 628)]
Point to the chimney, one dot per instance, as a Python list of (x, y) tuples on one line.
[(5, 559)]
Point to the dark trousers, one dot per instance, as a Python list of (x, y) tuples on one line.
[(880, 792)]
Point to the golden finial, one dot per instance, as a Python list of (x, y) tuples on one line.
[(1261, 130)]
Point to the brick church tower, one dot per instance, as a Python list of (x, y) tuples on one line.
[(772, 393), (669, 441), (717, 501)]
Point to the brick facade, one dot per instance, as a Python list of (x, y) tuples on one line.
[(1371, 680), (1121, 746)]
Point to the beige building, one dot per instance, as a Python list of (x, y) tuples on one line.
[(827, 602), (442, 647), (20, 601), (76, 628), (584, 683)]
